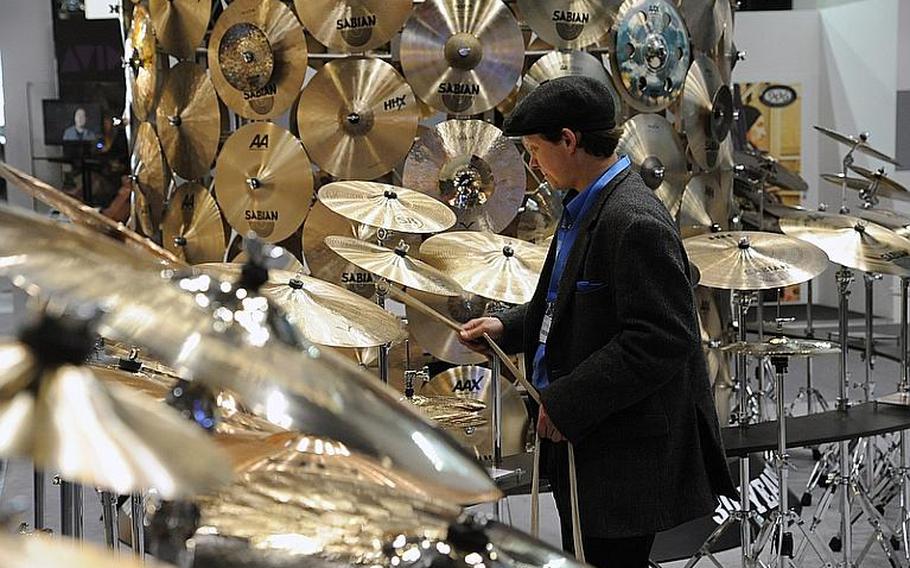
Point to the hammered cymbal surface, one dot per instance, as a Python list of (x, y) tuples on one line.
[(192, 228), (353, 25), (387, 206)]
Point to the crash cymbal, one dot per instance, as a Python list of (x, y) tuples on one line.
[(839, 179), (657, 152), (258, 57), (650, 68), (707, 21), (439, 340), (851, 241), (745, 260), (706, 204), (897, 222), (707, 111), (192, 228), (357, 118), (263, 181), (462, 57), (141, 213), (353, 25), (711, 330), (783, 346), (29, 551), (859, 143), (189, 120), (540, 215), (387, 206), (470, 166), (886, 187), (726, 55), (151, 171), (474, 382), (450, 412), (142, 63), (394, 264), (569, 23), (489, 265), (759, 167), (180, 24)]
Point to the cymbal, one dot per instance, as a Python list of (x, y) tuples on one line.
[(394, 264), (403, 355), (151, 171), (860, 144), (569, 23), (357, 117), (726, 55), (470, 166), (258, 57), (746, 260), (758, 166), (540, 214), (657, 151), (474, 382), (650, 71), (450, 412), (707, 111), (263, 180), (26, 551), (439, 340), (353, 25), (838, 179), (782, 346), (489, 265), (180, 24), (462, 57), (897, 222), (142, 63), (192, 228), (887, 187), (189, 119), (706, 203), (711, 330), (851, 241), (707, 21), (140, 212), (387, 206)]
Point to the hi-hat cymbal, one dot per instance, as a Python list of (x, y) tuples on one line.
[(859, 143), (707, 20), (189, 120), (151, 171), (387, 206), (569, 23), (897, 222), (651, 63), (142, 63), (29, 551), (263, 181), (745, 260), (851, 241), (462, 57), (394, 264), (357, 118), (489, 265), (707, 111), (180, 24), (192, 227), (470, 166), (782, 346), (886, 187), (657, 151), (353, 25), (439, 340), (759, 167), (257, 54), (706, 203)]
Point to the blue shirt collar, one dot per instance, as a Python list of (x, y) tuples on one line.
[(575, 205)]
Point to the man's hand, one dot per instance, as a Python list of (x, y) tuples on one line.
[(546, 429), (471, 334)]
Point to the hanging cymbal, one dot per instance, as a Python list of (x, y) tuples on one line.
[(746, 260), (462, 57), (782, 346), (651, 65), (263, 181), (897, 222), (569, 23), (192, 227), (758, 166), (387, 206), (657, 152), (180, 24), (859, 143), (151, 171), (258, 57), (141, 213), (439, 340), (142, 63), (26, 551), (707, 111), (353, 25), (189, 120), (489, 265), (470, 166), (707, 20), (706, 204), (357, 118), (886, 187), (394, 264)]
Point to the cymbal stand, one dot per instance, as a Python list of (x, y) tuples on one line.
[(812, 395), (382, 292), (846, 162), (494, 307)]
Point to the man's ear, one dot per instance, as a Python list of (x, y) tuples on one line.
[(570, 139)]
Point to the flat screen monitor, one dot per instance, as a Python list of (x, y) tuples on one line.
[(71, 122)]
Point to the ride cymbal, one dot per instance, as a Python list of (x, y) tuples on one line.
[(357, 118), (150, 172), (657, 152), (353, 25), (258, 57), (439, 340), (387, 206), (707, 111), (192, 228), (470, 166), (462, 57), (885, 186), (859, 143), (568, 24), (142, 63), (707, 20), (263, 181), (189, 120), (180, 24)]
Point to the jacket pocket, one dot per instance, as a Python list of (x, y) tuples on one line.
[(588, 286)]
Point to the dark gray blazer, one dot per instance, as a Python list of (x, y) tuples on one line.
[(628, 382)]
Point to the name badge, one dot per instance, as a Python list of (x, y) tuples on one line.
[(545, 324)]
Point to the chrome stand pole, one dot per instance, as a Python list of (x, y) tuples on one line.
[(904, 387), (743, 299), (109, 518), (39, 498), (137, 524), (382, 290), (810, 333), (844, 277), (78, 511), (783, 465), (869, 382), (496, 397)]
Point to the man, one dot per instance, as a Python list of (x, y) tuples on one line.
[(611, 338), (78, 132)]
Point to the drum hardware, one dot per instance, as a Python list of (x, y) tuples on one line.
[(658, 153), (880, 183)]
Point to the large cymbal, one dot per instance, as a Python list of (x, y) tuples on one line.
[(758, 166), (353, 25), (192, 228), (707, 20), (886, 187), (387, 206), (189, 120), (745, 260), (263, 181), (782, 346), (657, 151), (859, 143), (394, 264), (473, 168), (142, 63), (439, 340), (151, 171), (489, 265), (257, 54), (707, 111), (706, 203), (180, 24), (651, 63), (569, 23), (888, 218), (357, 118), (30, 551), (462, 57)]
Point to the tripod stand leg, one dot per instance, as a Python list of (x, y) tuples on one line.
[(705, 550)]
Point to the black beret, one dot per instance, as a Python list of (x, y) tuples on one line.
[(574, 102)]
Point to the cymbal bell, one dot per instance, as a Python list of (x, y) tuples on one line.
[(151, 171), (387, 206), (859, 143), (707, 111), (353, 25), (180, 24), (885, 186), (192, 227), (569, 23), (658, 153), (142, 63), (23, 551), (783, 346), (439, 340)]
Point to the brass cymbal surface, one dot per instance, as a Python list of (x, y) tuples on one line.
[(540, 214), (707, 111), (180, 24), (151, 171), (859, 143), (783, 346), (142, 63), (886, 187), (387, 206), (192, 227), (569, 23), (706, 203), (263, 181), (353, 25), (897, 222), (439, 340), (658, 153), (29, 551), (707, 21), (855, 183)]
